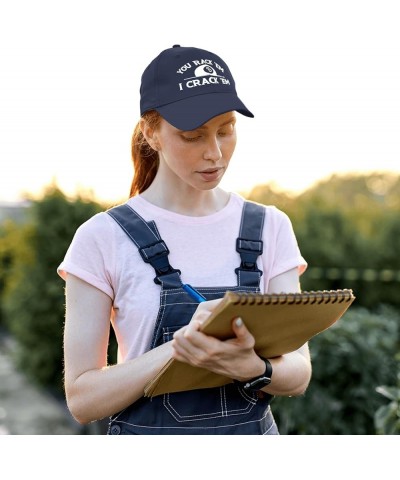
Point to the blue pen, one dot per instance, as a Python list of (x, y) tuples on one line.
[(194, 293)]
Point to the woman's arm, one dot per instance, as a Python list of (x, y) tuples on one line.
[(291, 372), (236, 358), (93, 389)]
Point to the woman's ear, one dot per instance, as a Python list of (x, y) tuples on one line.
[(149, 134)]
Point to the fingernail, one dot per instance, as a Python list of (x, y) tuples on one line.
[(239, 322)]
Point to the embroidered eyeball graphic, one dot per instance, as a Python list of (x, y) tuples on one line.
[(204, 70)]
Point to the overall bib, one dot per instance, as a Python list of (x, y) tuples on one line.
[(213, 411)]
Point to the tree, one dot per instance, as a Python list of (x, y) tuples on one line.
[(15, 255), (34, 297), (348, 229)]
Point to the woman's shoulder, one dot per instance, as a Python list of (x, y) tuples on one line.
[(99, 225), (272, 212)]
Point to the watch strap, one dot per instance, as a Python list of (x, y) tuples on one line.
[(260, 381)]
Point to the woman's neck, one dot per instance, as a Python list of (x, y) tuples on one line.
[(186, 201)]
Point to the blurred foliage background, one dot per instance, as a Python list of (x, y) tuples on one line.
[(348, 229)]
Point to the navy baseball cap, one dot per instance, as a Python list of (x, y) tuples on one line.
[(189, 86)]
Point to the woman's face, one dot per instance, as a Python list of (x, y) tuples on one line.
[(196, 158)]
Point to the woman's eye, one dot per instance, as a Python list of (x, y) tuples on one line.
[(191, 139)]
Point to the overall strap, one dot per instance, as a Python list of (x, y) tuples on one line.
[(249, 244), (152, 248)]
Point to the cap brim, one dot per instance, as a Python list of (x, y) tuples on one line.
[(191, 113)]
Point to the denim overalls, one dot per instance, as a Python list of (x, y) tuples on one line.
[(213, 411)]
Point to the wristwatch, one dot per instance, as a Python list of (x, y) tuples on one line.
[(259, 382)]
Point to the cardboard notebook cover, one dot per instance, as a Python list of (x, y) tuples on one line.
[(280, 323)]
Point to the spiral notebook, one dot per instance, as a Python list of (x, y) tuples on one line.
[(280, 323)]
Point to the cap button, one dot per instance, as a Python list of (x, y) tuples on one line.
[(175, 46)]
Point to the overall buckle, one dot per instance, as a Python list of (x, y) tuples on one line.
[(249, 251), (157, 255)]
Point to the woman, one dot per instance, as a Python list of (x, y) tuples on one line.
[(178, 227)]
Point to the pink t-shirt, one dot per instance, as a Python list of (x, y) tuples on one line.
[(203, 248)]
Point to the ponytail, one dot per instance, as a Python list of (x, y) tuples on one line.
[(145, 159)]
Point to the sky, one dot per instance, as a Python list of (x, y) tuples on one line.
[(321, 77)]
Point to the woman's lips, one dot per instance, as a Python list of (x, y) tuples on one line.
[(211, 174)]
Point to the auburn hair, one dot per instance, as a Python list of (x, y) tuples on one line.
[(145, 159)]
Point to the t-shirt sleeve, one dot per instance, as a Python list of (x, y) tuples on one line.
[(286, 252), (90, 255)]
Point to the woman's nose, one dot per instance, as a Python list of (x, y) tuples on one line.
[(213, 150)]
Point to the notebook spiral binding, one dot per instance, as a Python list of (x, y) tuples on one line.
[(311, 297)]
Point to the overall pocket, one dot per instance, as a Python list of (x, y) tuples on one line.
[(206, 404)]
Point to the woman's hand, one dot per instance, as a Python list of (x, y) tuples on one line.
[(234, 358)]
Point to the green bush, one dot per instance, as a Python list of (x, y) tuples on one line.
[(33, 300), (15, 255), (350, 360), (387, 417)]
